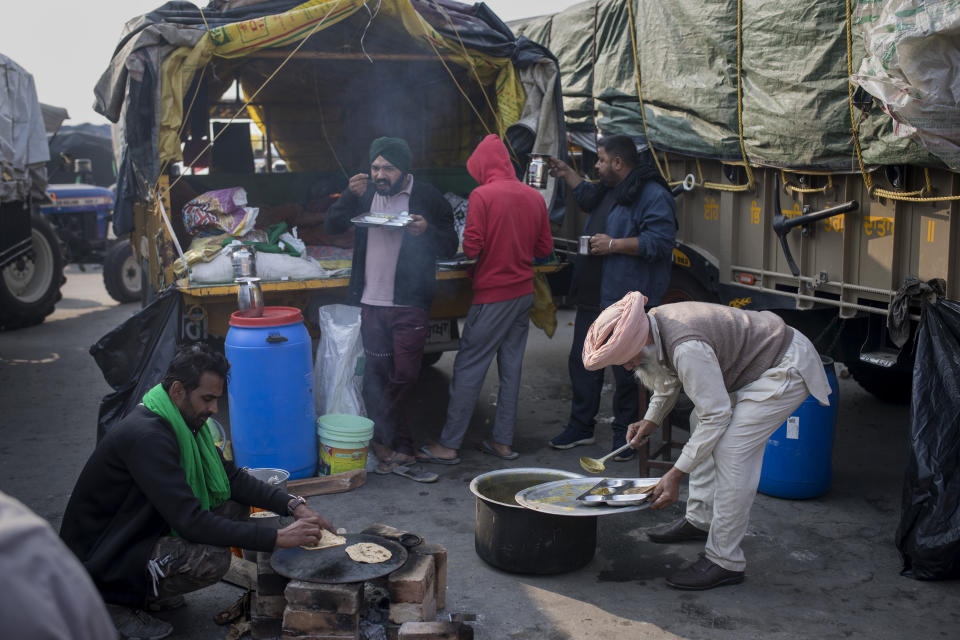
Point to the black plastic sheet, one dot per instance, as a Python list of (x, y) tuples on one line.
[(928, 536), (134, 356)]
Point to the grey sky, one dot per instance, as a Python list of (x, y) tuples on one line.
[(66, 44)]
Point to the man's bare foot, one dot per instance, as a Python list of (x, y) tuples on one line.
[(499, 450), (401, 458), (502, 449), (382, 451), (441, 452)]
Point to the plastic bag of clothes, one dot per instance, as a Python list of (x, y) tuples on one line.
[(928, 536), (134, 356), (338, 370), (220, 211)]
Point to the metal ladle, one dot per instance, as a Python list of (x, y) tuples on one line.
[(594, 465)]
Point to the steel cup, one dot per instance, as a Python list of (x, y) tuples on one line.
[(537, 171), (584, 248), (244, 260)]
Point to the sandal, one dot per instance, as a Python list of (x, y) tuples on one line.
[(486, 447), (428, 456), (415, 472)]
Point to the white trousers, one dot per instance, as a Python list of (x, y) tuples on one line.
[(723, 486)]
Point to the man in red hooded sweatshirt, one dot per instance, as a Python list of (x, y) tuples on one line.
[(507, 225)]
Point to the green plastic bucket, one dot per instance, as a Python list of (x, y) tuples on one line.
[(343, 441)]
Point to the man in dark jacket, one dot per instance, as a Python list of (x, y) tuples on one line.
[(393, 279), (156, 507), (632, 229)]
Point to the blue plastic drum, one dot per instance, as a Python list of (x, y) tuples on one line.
[(797, 462), (270, 393)]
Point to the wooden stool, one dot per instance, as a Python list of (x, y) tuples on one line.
[(660, 457)]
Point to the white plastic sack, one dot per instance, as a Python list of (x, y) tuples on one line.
[(270, 267), (337, 379), (913, 53)]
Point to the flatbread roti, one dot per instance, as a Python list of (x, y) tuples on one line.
[(327, 539), (368, 553)]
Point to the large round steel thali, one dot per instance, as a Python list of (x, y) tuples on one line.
[(559, 498)]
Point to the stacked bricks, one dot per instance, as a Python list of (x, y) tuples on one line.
[(322, 611), (267, 604), (410, 599), (439, 555), (413, 590)]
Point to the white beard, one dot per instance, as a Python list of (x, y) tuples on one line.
[(653, 374)]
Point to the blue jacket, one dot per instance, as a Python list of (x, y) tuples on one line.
[(650, 217)]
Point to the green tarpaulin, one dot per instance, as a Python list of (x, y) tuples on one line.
[(793, 76)]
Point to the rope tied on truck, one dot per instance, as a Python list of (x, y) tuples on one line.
[(745, 161)]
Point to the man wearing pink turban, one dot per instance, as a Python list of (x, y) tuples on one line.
[(746, 372)]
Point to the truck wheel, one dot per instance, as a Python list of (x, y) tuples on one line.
[(121, 273), (684, 287), (893, 386), (30, 286)]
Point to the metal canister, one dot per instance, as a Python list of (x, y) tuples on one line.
[(244, 262), (249, 297), (584, 248), (537, 171)]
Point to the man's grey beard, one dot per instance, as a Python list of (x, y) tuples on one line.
[(651, 373)]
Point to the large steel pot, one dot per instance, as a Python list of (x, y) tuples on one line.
[(521, 540)]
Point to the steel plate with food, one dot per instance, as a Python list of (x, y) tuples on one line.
[(389, 220), (562, 497), (618, 492)]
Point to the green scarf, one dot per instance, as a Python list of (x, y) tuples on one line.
[(198, 455)]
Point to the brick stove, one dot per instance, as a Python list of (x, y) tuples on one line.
[(302, 610)]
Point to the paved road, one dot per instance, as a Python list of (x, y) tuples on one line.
[(823, 568)]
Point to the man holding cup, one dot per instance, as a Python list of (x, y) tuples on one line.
[(631, 230)]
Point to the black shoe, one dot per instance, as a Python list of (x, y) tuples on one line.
[(676, 531), (703, 574), (572, 437), (134, 624)]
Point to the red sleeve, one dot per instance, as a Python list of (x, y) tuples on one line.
[(473, 230), (544, 244)]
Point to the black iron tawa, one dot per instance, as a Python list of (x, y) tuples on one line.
[(333, 566)]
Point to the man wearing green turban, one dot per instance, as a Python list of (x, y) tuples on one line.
[(156, 507), (393, 280)]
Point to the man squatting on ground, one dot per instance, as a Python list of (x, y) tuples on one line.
[(156, 508), (507, 225), (393, 280), (746, 372), (632, 228)]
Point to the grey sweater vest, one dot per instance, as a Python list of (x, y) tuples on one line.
[(747, 343)]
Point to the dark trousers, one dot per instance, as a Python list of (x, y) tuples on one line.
[(187, 566), (393, 341), (587, 385)]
